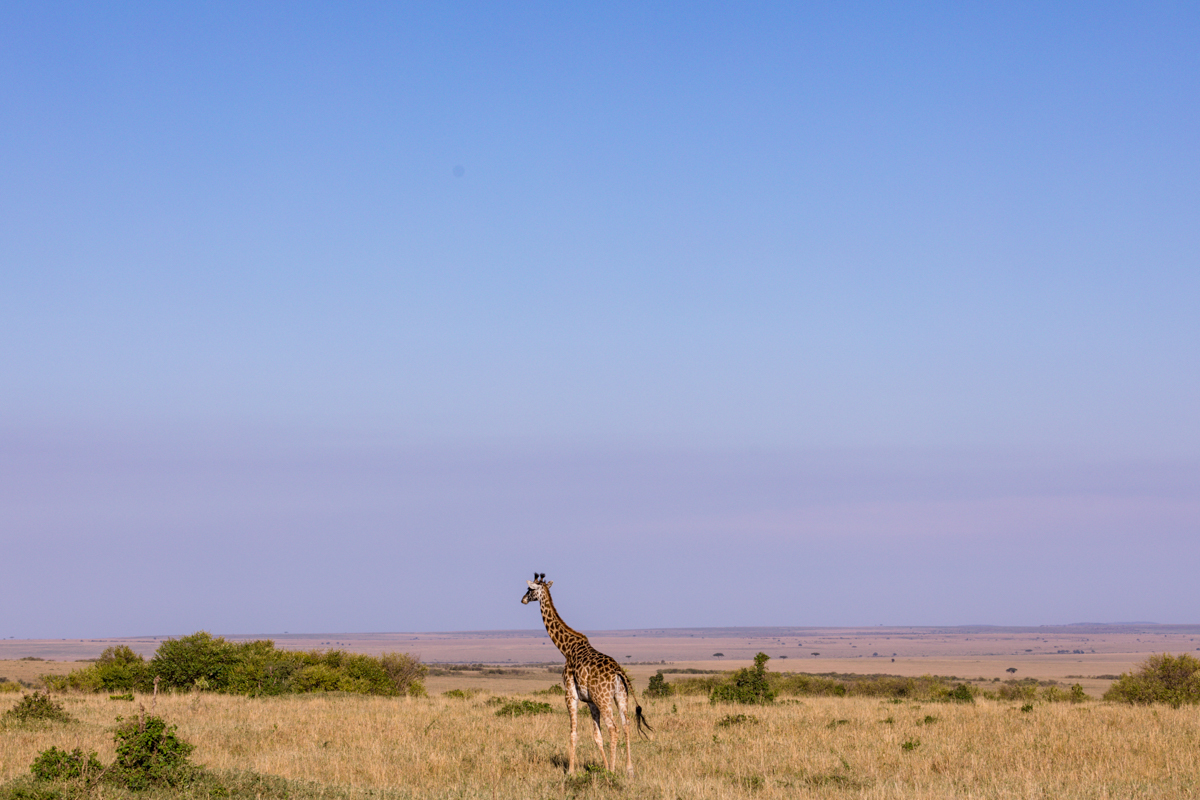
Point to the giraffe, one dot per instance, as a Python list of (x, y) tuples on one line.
[(589, 677)]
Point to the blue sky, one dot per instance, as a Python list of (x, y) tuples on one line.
[(317, 318)]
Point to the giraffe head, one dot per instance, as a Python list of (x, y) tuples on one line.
[(537, 588)]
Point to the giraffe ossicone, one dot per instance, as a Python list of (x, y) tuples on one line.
[(590, 677)]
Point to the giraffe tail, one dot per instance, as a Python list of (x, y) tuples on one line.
[(641, 721), (638, 716)]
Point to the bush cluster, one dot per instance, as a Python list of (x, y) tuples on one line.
[(1027, 689), (747, 685), (730, 720), (148, 754), (205, 662), (926, 687), (520, 708), (1164, 678), (37, 706), (658, 686), (60, 765)]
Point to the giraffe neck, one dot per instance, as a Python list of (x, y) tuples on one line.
[(569, 641)]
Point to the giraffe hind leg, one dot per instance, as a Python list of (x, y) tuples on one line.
[(596, 733), (621, 698), (611, 726)]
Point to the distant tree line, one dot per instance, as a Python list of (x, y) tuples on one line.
[(202, 662)]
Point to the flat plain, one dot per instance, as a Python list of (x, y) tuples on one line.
[(1067, 652), (853, 747)]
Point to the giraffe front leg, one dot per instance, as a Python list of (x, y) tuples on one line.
[(573, 712)]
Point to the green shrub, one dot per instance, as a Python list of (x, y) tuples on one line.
[(519, 708), (257, 668), (199, 661), (729, 720), (1053, 694), (1025, 689), (9, 686), (316, 678), (150, 754), (748, 685), (406, 672), (696, 686), (118, 669), (962, 694), (209, 663), (805, 685), (59, 765), (831, 684), (121, 669), (1164, 678), (390, 675), (38, 707), (658, 686)]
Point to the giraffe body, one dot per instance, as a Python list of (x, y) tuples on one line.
[(592, 678)]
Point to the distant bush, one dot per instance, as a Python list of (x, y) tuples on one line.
[(199, 661), (519, 708), (316, 678), (729, 720), (9, 686), (804, 685), (962, 694), (833, 684), (1055, 694), (118, 669), (1024, 689), (1164, 678), (37, 707), (696, 686), (658, 686), (258, 669), (204, 662), (896, 687), (748, 685), (406, 673)]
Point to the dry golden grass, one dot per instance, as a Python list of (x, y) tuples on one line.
[(821, 747), (32, 671)]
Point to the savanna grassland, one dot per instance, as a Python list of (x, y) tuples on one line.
[(343, 745)]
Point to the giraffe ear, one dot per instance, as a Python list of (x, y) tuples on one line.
[(548, 584), (531, 584)]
